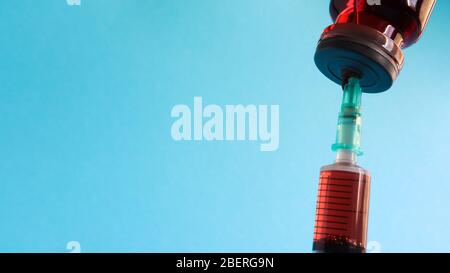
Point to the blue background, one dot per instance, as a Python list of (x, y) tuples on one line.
[(86, 152)]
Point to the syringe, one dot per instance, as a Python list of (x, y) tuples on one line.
[(344, 187)]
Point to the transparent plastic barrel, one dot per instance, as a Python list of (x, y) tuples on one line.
[(342, 209)]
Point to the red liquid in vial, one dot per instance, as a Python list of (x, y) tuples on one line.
[(342, 212), (402, 21)]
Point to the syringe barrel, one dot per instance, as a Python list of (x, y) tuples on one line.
[(342, 209)]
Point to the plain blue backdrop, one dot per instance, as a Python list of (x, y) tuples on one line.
[(85, 147)]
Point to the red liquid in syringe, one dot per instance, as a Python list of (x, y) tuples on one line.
[(342, 211)]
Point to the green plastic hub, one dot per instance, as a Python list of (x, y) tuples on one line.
[(348, 135)]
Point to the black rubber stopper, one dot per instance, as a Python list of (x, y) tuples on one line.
[(346, 50)]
